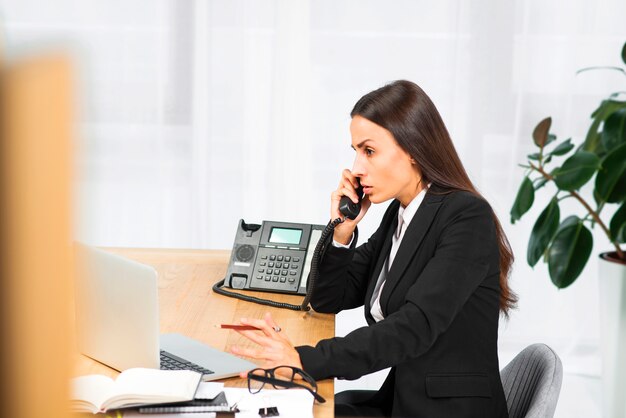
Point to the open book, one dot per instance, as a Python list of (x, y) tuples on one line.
[(133, 387)]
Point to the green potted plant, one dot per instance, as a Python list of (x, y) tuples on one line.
[(565, 242)]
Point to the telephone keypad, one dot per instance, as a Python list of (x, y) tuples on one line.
[(282, 269)]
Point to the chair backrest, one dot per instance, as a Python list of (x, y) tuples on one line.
[(532, 382)]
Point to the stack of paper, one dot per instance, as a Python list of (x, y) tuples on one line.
[(296, 403)]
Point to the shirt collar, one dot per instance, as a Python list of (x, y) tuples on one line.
[(409, 212)]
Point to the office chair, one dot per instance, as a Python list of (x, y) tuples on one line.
[(532, 382)]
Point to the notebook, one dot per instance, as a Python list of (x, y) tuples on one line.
[(217, 404), (117, 319)]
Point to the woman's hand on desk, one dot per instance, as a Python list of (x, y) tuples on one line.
[(275, 348)]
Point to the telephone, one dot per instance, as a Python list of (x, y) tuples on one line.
[(280, 257), (347, 207), (272, 257)]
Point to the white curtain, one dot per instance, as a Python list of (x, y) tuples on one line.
[(194, 114)]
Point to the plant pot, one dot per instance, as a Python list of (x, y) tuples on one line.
[(612, 283)]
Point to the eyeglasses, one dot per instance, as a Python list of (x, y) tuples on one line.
[(283, 377)]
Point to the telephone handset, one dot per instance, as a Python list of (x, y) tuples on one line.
[(347, 207), (280, 257)]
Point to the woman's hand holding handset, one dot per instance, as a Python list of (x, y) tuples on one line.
[(347, 187)]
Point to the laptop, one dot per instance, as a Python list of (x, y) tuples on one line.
[(117, 320)]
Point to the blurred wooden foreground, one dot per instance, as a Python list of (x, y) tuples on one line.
[(35, 162)]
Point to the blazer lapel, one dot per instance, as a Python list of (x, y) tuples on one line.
[(415, 233)]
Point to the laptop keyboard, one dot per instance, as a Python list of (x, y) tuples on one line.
[(171, 362)]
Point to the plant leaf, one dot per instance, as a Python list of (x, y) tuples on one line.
[(563, 148), (543, 231), (592, 141), (611, 179), (596, 197), (524, 200), (624, 53), (618, 224), (569, 221), (540, 183), (551, 138), (540, 133), (533, 156), (569, 253), (614, 130), (576, 170)]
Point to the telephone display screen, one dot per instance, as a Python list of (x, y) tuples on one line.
[(285, 236)]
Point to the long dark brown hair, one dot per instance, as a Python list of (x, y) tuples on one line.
[(407, 112)]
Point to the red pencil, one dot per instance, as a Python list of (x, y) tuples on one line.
[(241, 327)]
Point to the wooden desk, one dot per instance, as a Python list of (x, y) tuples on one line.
[(189, 306)]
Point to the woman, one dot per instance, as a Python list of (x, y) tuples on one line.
[(432, 278)]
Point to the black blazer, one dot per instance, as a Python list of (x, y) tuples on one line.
[(441, 308)]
